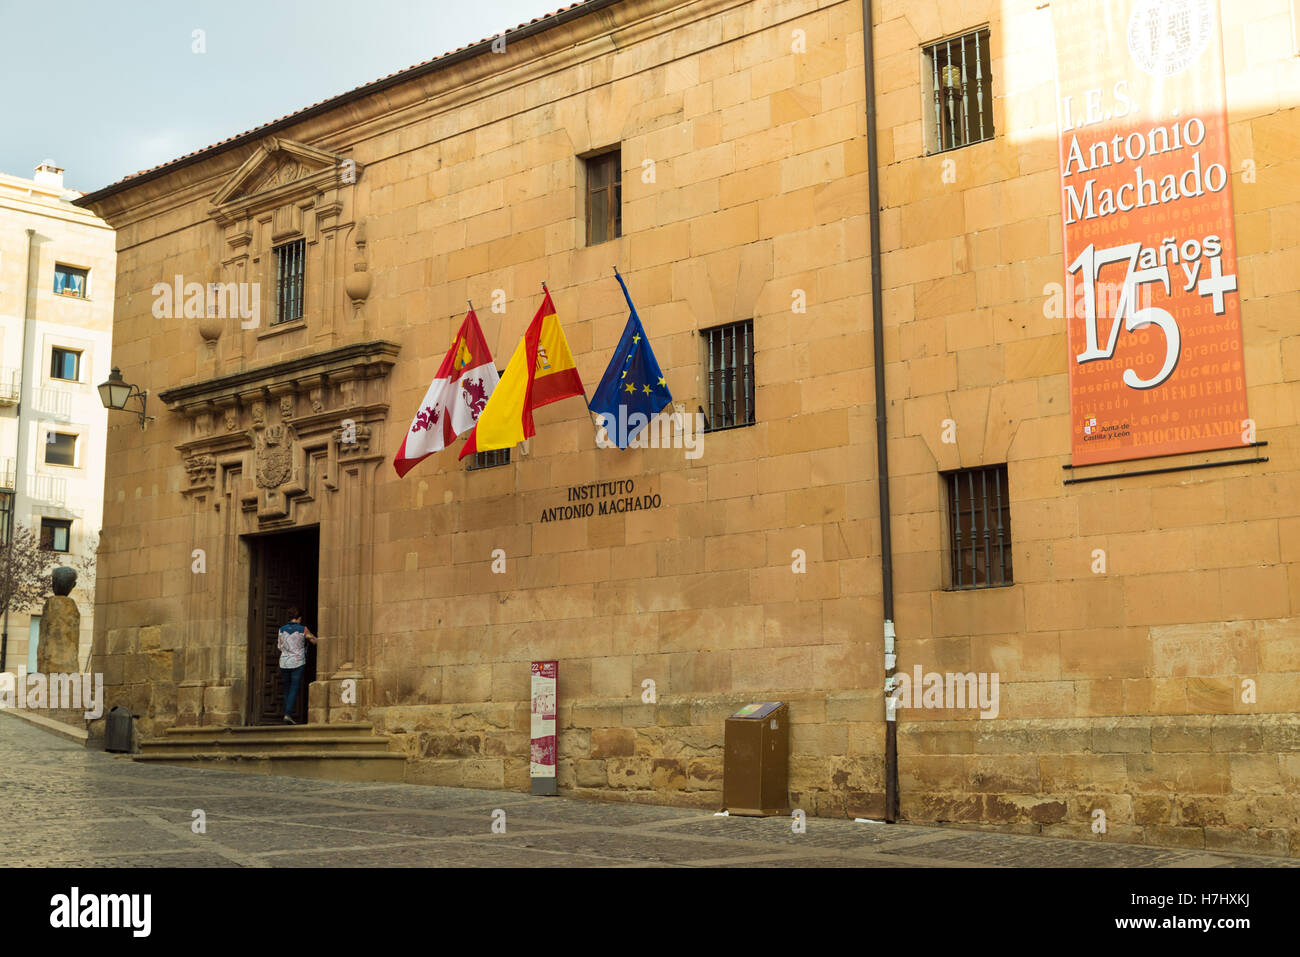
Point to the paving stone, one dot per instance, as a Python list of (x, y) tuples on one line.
[(65, 806)]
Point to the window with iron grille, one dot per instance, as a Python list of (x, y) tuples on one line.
[(289, 260), (55, 533), (604, 197), (979, 527), (489, 459), (959, 83), (729, 364), (6, 516)]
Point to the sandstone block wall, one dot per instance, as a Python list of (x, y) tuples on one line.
[(1162, 689), (752, 117)]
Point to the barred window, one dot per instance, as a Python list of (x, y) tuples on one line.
[(979, 527), (729, 362), (960, 83), (289, 260), (6, 516), (604, 197), (490, 459)]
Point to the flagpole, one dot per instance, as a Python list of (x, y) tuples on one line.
[(676, 417)]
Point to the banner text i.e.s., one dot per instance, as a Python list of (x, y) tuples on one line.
[(1153, 317)]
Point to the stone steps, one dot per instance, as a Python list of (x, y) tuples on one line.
[(340, 752)]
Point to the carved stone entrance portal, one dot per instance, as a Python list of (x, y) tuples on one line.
[(287, 447)]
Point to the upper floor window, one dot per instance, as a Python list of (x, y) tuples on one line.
[(70, 281), (55, 534), (959, 81), (604, 197), (729, 364), (289, 262), (60, 448), (6, 516), (65, 364), (979, 527)]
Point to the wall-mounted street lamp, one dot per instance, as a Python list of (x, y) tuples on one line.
[(115, 393)]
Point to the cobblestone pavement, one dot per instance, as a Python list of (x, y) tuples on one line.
[(65, 806)]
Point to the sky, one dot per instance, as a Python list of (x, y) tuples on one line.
[(106, 88)]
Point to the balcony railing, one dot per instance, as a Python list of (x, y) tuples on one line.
[(11, 385), (53, 402), (47, 489)]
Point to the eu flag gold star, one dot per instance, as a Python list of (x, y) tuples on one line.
[(636, 339), (661, 381), (631, 387), (646, 390)]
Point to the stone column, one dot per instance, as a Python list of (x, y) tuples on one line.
[(60, 638), (60, 630)]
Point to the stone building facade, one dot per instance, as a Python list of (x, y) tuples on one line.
[(741, 130), (57, 289)]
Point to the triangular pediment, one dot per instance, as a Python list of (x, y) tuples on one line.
[(279, 170)]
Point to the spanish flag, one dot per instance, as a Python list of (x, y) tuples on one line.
[(540, 372)]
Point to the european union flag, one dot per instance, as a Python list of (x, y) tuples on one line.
[(633, 389)]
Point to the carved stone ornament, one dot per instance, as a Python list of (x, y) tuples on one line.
[(280, 174), (202, 470), (274, 457), (266, 463), (357, 284), (286, 407), (353, 439)]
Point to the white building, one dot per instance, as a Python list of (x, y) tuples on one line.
[(57, 272)]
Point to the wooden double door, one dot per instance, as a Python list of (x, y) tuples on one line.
[(285, 572)]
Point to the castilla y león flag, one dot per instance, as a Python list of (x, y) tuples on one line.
[(540, 372), (455, 400)]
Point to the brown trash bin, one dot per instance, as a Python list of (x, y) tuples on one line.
[(755, 769)]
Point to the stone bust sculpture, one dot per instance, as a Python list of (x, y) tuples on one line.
[(56, 650), (64, 579)]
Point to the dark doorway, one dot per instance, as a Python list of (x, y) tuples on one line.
[(285, 571)]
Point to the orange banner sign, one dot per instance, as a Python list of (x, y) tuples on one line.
[(1150, 294)]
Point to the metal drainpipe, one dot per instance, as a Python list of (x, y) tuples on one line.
[(18, 452), (882, 431)]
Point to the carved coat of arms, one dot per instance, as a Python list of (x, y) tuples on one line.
[(274, 457)]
